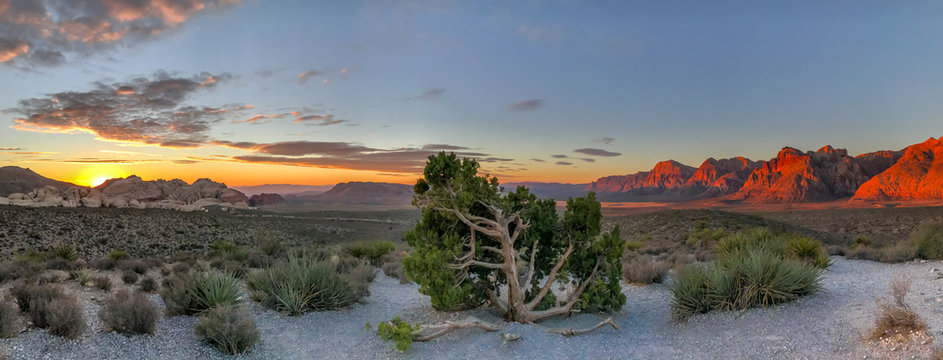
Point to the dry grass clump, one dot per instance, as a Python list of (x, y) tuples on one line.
[(228, 328), (65, 317), (130, 313), (644, 270), (9, 319), (896, 320), (50, 308)]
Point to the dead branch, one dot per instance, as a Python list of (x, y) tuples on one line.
[(568, 306), (429, 332), (533, 259), (550, 279), (571, 332)]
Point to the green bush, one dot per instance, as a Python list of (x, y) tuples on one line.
[(756, 268), (118, 255), (129, 313), (9, 319), (929, 241), (399, 331), (808, 250), (195, 292), (372, 251), (861, 240), (65, 317), (298, 285), (64, 252), (230, 329), (82, 276), (228, 250)]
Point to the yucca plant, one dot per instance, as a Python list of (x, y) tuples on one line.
[(298, 285), (808, 250), (195, 292), (82, 276)]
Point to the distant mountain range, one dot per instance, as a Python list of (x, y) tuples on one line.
[(359, 193), (282, 189), (14, 179), (913, 173)]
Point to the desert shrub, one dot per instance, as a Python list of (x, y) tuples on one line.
[(103, 264), (372, 251), (861, 240), (642, 269), (705, 236), (928, 240), (228, 328), (270, 245), (137, 266), (148, 284), (58, 264), (129, 277), (195, 292), (33, 299), (129, 313), (180, 267), (82, 276), (756, 268), (17, 269), (807, 250), (298, 285), (399, 331), (65, 317), (228, 250), (117, 255), (9, 319), (900, 252), (395, 270), (235, 268), (64, 252), (896, 318), (52, 277), (102, 282)]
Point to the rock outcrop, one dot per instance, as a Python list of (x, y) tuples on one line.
[(794, 176), (664, 176), (266, 199), (917, 175), (14, 179), (131, 192), (361, 193), (719, 177)]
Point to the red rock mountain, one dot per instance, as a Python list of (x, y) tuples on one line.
[(266, 199), (665, 175), (918, 174), (720, 177)]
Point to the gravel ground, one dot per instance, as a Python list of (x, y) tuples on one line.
[(828, 325)]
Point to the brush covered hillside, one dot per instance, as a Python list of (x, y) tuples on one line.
[(359, 193), (14, 179), (557, 191), (793, 176)]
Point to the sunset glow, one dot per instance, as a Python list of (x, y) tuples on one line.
[(94, 175)]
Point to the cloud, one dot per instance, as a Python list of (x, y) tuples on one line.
[(320, 120), (10, 149), (260, 119), (303, 76), (605, 140), (538, 160), (42, 32), (142, 110), (443, 147), (596, 152), (526, 105), (559, 156), (564, 163), (429, 94), (588, 159), (342, 155)]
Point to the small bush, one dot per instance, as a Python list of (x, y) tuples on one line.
[(808, 250), (896, 318), (236, 268), (757, 268), (195, 292), (137, 266), (34, 300), (64, 252), (148, 284), (642, 270), (103, 264), (9, 319), (129, 277), (372, 251), (129, 313), (299, 285), (58, 264), (230, 329), (65, 317), (399, 331), (17, 269), (861, 240), (102, 282), (271, 246), (928, 240), (52, 277), (117, 255), (227, 250), (395, 270), (82, 276)]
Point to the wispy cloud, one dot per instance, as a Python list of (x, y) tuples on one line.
[(526, 105), (320, 120), (564, 163), (429, 94), (303, 76), (605, 140), (596, 152), (10, 149)]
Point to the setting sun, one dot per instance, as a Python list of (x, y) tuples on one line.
[(95, 175)]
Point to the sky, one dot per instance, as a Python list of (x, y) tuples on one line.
[(318, 92)]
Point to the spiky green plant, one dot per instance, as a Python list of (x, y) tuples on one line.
[(195, 292), (298, 285)]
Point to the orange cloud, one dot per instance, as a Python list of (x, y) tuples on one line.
[(10, 49)]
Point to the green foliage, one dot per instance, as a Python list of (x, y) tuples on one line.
[(439, 237), (228, 328), (64, 252), (703, 236), (298, 285), (399, 331), (195, 292), (929, 241), (861, 240), (118, 255), (228, 250), (82, 276), (372, 251), (755, 268), (129, 313)]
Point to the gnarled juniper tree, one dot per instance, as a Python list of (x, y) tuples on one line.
[(475, 246)]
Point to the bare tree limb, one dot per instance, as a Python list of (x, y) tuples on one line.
[(493, 249), (429, 332), (550, 279), (571, 332), (568, 306), (501, 305), (533, 259)]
